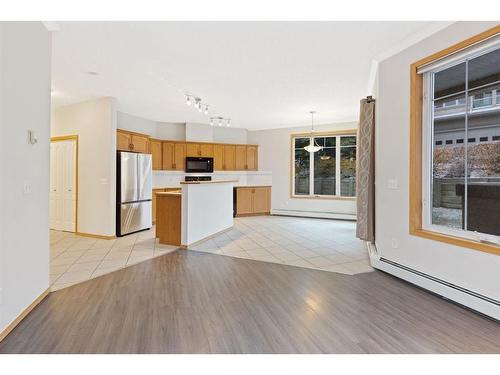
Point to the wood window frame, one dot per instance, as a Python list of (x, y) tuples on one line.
[(416, 149), (347, 132)]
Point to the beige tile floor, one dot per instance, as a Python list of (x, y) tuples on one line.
[(74, 259), (328, 245)]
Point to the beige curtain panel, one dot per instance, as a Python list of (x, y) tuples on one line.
[(365, 172)]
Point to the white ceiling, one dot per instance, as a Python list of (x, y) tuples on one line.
[(259, 74)]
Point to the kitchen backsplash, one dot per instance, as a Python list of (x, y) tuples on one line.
[(163, 179)]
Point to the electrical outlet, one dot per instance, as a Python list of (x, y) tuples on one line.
[(27, 187), (394, 243), (392, 183)]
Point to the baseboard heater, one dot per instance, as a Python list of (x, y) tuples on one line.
[(313, 214), (440, 281)]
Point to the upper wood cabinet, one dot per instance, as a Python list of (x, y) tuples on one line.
[(252, 158), (229, 158), (193, 150), (123, 141), (218, 157), (205, 150), (129, 141), (240, 158), (171, 155), (156, 151), (179, 156)]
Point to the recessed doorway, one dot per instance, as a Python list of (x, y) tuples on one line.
[(63, 205)]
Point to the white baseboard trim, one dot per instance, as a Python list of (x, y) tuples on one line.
[(462, 296), (314, 214)]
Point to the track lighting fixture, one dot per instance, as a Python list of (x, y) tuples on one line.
[(220, 121), (206, 110)]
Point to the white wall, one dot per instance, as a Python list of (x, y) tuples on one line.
[(274, 156), (25, 53), (199, 132), (94, 122), (135, 124), (470, 269), (230, 135), (171, 131)]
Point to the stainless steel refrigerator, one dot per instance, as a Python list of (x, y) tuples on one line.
[(133, 192)]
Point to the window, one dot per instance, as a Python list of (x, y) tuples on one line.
[(328, 173), (455, 190), (439, 143), (449, 141)]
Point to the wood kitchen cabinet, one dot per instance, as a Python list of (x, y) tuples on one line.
[(252, 158), (229, 158), (130, 141), (253, 200), (154, 199), (173, 155), (218, 157), (205, 150), (240, 157), (156, 153)]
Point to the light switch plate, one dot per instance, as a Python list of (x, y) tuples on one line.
[(27, 187), (392, 183)]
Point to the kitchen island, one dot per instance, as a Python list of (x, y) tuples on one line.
[(199, 210)]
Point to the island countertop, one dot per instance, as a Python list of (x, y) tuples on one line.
[(207, 182)]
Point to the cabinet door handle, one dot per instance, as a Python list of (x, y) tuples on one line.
[(173, 165), (131, 146)]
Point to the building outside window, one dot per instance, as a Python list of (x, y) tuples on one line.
[(462, 104), (330, 172)]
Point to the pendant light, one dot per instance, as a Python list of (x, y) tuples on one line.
[(313, 147)]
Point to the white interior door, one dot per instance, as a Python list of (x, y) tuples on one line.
[(63, 185)]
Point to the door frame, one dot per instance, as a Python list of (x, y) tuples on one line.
[(69, 138)]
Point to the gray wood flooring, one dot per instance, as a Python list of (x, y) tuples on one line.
[(190, 302)]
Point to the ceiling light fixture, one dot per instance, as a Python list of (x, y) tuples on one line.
[(228, 122), (188, 100), (313, 146), (211, 122), (206, 109)]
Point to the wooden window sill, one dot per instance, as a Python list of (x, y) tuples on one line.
[(457, 241)]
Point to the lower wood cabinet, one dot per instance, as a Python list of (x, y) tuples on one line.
[(154, 199), (253, 200)]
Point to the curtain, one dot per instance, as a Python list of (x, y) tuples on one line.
[(365, 172)]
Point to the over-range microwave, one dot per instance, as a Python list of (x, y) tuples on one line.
[(199, 165)]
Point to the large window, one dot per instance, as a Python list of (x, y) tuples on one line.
[(458, 162), (330, 172)]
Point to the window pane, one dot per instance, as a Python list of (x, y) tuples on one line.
[(301, 142), (483, 155), (348, 141), (324, 172), (330, 141), (448, 169), (348, 169), (302, 171), (320, 141)]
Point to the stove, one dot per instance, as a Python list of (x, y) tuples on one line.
[(197, 178)]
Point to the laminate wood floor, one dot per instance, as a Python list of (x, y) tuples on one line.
[(192, 302)]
